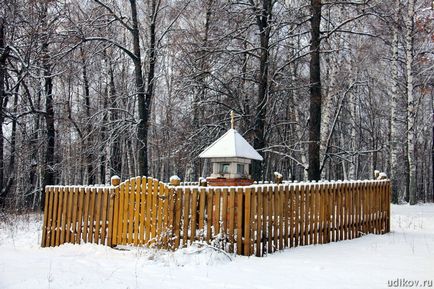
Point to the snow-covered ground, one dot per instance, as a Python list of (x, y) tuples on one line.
[(373, 261)]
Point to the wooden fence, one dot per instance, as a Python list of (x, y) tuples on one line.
[(253, 220)]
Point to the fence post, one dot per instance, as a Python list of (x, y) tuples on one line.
[(115, 181)]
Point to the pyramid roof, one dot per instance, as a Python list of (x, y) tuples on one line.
[(231, 145)]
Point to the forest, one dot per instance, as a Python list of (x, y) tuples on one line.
[(323, 89)]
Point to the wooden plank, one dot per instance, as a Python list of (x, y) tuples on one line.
[(359, 210), (86, 214), (44, 226), (105, 205), (168, 211), (186, 216), (291, 222), (368, 207), (73, 237), (239, 221), (194, 202), (326, 213), (276, 213), (171, 216), (48, 216), (374, 208), (252, 224), (329, 212), (202, 199), (297, 209), (131, 188), (136, 225), (270, 219), (344, 212), (112, 196), (333, 212), (209, 216), (259, 221), (265, 233), (312, 212), (381, 207), (113, 235), (224, 217), (320, 205), (64, 214), (315, 215), (159, 208), (121, 215), (385, 205), (285, 208), (309, 214), (50, 219), (54, 218), (350, 211), (81, 196), (177, 222), (302, 214), (98, 197), (142, 232), (91, 215), (247, 221), (282, 216), (320, 196), (68, 223), (231, 219), (154, 209), (347, 211), (363, 200), (353, 210), (149, 210), (59, 217), (389, 198), (216, 212), (126, 211), (326, 234), (341, 211)]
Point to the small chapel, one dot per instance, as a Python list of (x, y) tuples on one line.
[(231, 156)]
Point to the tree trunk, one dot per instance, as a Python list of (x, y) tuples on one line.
[(3, 57), (263, 17), (87, 143), (115, 151), (411, 108), (394, 126), (143, 104), (49, 170), (315, 93)]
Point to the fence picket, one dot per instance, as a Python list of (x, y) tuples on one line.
[(239, 213), (202, 196), (193, 215), (260, 219), (231, 219)]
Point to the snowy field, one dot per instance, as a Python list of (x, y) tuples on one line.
[(373, 261)]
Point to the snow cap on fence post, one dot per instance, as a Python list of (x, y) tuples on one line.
[(175, 180), (278, 178), (115, 180), (376, 174), (202, 182)]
